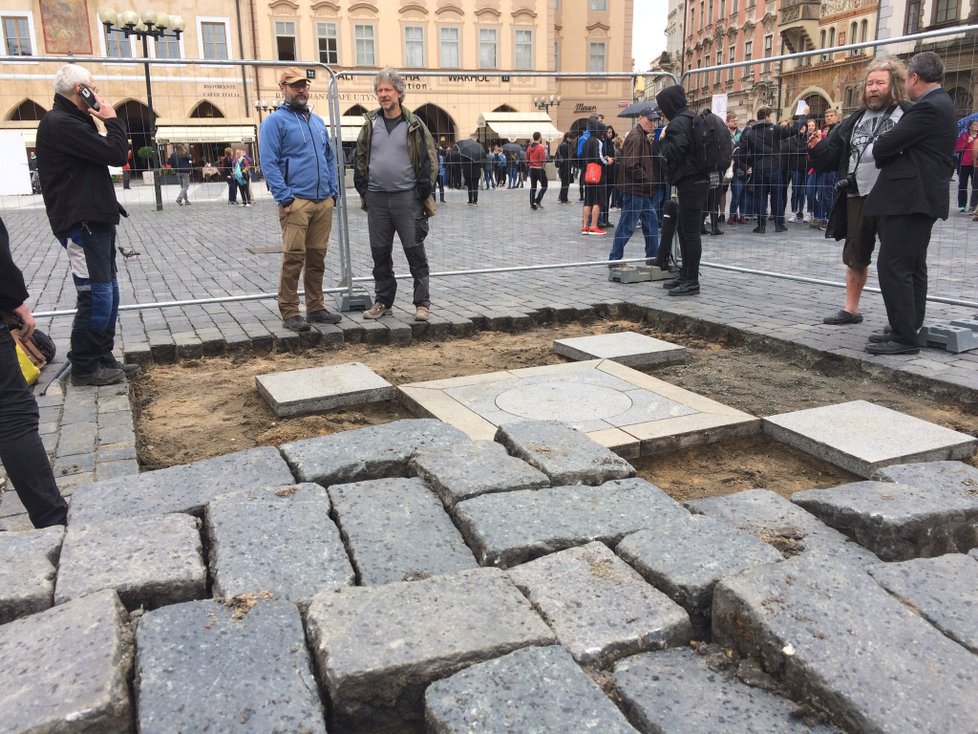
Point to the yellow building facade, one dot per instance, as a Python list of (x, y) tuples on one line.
[(465, 62)]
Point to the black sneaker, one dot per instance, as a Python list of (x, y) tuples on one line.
[(758, 230), (687, 288), (674, 283), (296, 323), (130, 368), (323, 317), (101, 376)]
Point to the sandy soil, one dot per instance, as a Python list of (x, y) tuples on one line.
[(202, 408)]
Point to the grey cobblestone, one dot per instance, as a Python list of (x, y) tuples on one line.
[(27, 568)]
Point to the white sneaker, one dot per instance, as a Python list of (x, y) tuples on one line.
[(807, 217)]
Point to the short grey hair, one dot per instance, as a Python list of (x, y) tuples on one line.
[(928, 66), (70, 75), (392, 77)]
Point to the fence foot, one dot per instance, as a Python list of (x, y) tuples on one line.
[(358, 300)]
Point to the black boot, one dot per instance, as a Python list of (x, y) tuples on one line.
[(686, 288)]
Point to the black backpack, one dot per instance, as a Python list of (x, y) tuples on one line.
[(712, 145)]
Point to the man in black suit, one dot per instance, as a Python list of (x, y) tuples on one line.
[(915, 162)]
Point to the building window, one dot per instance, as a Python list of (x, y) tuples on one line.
[(734, 7), (213, 39), (595, 56), (117, 46), (709, 14), (17, 36), (167, 47), (913, 17), (363, 35), (732, 58), (853, 38), (864, 31), (768, 51), (723, 10), (748, 50), (945, 11), (450, 50), (831, 37), (556, 55), (326, 40), (599, 4), (487, 48), (523, 50), (702, 13), (285, 40), (848, 98), (414, 46)]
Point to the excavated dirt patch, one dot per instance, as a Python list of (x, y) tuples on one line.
[(202, 408)]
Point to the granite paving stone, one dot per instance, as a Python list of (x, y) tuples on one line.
[(279, 540), (379, 647), (953, 475), (598, 606), (66, 670), (862, 437), (535, 689), (564, 454), (508, 528), (773, 519), (206, 666), (183, 488), (322, 388), (943, 590), (375, 452), (463, 471), (397, 530), (150, 561), (625, 347), (676, 691), (685, 555), (833, 635), (896, 521), (27, 568)]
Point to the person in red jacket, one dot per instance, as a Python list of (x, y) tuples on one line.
[(967, 146), (536, 159)]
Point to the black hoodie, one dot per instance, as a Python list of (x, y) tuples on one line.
[(677, 145)]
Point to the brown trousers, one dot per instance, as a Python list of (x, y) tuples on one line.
[(305, 231)]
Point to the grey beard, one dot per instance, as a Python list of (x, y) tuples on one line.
[(880, 104)]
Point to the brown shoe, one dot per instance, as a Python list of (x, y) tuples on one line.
[(376, 311), (422, 313)]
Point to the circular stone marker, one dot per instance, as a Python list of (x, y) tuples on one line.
[(567, 402)]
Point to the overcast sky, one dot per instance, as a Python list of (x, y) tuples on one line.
[(648, 31)]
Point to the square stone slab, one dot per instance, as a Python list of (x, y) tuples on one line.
[(623, 409), (322, 388), (67, 669), (205, 666), (955, 475), (627, 347), (150, 561), (379, 647), (599, 607), (536, 689), (862, 437), (27, 568)]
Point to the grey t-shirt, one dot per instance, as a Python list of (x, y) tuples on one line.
[(872, 124)]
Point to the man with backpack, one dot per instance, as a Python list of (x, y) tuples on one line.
[(694, 147)]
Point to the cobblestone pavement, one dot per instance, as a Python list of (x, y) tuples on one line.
[(350, 675)]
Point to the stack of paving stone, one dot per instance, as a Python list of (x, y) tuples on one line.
[(405, 578)]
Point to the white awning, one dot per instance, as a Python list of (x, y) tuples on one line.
[(205, 134), (350, 126), (520, 125)]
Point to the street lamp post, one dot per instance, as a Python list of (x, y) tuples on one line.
[(545, 103), (152, 24)]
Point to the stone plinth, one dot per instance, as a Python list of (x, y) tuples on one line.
[(322, 388), (626, 347)]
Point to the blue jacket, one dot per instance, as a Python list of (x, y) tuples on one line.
[(296, 157)]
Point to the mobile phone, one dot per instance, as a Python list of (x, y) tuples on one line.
[(89, 96)]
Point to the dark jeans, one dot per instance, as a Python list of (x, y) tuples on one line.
[(902, 270), (398, 212), (537, 175), (472, 172), (798, 186), (635, 207), (825, 182), (232, 191), (738, 194), (966, 174), (21, 450), (565, 179), (692, 200), (769, 186), (245, 193), (91, 252)]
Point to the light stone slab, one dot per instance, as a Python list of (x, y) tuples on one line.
[(599, 607), (833, 635), (626, 347), (468, 470), (375, 452), (862, 437), (149, 561), (379, 647), (774, 520), (623, 409), (675, 691), (685, 555), (27, 569), (322, 388), (397, 530), (896, 521), (563, 453), (943, 590), (536, 689), (514, 527), (278, 540), (66, 670), (184, 488), (204, 666)]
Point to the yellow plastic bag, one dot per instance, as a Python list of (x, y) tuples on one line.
[(31, 373)]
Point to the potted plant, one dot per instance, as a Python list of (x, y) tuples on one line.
[(147, 154)]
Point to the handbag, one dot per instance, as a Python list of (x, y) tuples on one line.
[(592, 174)]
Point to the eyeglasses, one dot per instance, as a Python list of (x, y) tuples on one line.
[(298, 85)]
